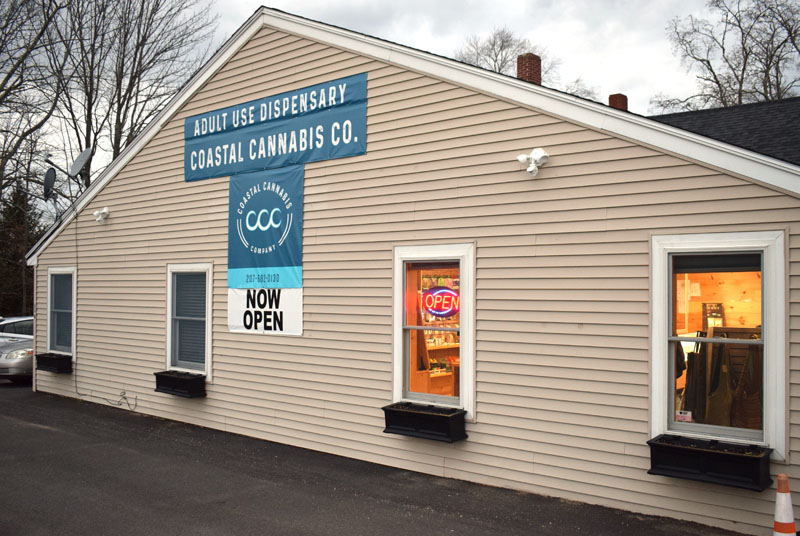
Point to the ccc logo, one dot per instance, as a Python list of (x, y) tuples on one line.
[(265, 214)]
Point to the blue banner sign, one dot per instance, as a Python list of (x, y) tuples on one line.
[(315, 123), (265, 229)]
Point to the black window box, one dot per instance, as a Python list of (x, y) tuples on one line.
[(427, 422), (179, 383), (58, 363), (729, 464)]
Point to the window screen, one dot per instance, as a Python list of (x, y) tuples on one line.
[(61, 312), (189, 320)]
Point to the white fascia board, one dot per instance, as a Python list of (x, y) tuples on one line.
[(741, 162)]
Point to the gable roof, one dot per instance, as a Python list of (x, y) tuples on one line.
[(738, 161), (770, 128)]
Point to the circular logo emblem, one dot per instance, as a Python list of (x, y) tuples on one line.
[(264, 218)]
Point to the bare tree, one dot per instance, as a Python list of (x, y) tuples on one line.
[(158, 45), (32, 50), (499, 50), (748, 54), (787, 13), (581, 89), (131, 57), (82, 107)]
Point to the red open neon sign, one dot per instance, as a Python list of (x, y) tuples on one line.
[(441, 301)]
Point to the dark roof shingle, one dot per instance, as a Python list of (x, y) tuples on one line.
[(770, 128)]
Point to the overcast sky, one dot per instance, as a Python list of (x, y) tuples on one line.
[(615, 46)]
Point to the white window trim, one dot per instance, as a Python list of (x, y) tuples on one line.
[(771, 243), (208, 268), (62, 270), (465, 253)]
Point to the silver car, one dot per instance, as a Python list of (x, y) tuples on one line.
[(16, 348), (16, 360), (16, 328)]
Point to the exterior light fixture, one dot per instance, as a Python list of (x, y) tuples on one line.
[(100, 215), (535, 160)]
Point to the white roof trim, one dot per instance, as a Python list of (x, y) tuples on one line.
[(757, 167)]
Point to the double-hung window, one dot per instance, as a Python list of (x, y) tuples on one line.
[(719, 337), (189, 326), (434, 325), (61, 310)]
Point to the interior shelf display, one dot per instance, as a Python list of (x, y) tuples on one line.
[(433, 329)]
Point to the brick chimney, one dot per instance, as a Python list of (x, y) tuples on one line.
[(529, 68), (618, 101)]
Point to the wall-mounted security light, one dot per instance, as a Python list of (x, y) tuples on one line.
[(100, 215), (535, 160)]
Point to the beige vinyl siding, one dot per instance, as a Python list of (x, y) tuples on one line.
[(562, 309)]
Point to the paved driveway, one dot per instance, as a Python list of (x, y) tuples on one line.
[(78, 468)]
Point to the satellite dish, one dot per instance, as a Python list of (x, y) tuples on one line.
[(49, 182), (77, 165)]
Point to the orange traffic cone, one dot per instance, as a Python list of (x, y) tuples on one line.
[(784, 514)]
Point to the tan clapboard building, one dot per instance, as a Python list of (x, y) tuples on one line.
[(573, 314)]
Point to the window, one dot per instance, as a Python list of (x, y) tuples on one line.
[(719, 337), (433, 326), (25, 327), (60, 310), (17, 327), (189, 326)]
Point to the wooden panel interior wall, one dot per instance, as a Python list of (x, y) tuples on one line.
[(729, 298)]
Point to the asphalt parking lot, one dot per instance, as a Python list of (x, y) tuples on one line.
[(77, 468)]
